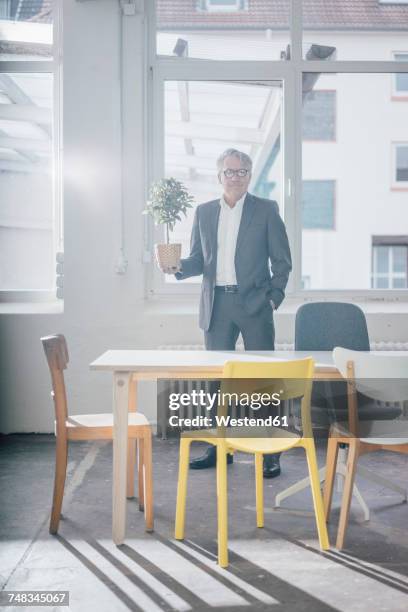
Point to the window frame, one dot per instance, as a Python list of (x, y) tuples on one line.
[(398, 96), (291, 71), (240, 5), (245, 71), (387, 241), (53, 67), (397, 185)]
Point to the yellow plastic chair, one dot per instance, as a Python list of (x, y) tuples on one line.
[(300, 373)]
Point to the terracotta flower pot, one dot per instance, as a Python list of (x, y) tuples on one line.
[(168, 255)]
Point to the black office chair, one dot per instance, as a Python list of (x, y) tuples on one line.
[(321, 326)]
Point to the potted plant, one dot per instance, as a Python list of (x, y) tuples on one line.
[(168, 198)]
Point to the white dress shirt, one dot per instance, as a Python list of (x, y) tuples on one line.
[(228, 226)]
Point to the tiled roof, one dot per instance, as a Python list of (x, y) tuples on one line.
[(274, 14), (261, 14)]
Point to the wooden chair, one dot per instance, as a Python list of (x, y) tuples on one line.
[(94, 427), (383, 378)]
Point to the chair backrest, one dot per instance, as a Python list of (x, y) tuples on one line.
[(56, 352), (381, 377), (299, 379), (320, 326)]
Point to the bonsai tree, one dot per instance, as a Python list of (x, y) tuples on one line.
[(168, 199)]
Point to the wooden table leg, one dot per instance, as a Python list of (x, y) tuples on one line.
[(131, 454), (120, 435)]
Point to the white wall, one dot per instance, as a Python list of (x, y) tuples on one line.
[(103, 310)]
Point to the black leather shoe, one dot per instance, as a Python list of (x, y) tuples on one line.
[(271, 466), (208, 460)]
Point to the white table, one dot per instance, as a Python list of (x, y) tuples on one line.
[(127, 365)]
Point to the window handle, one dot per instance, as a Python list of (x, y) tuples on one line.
[(290, 188)]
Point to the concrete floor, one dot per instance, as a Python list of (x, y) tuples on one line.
[(279, 567)]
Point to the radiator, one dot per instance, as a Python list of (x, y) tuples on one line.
[(164, 389), (382, 345), (377, 345), (175, 386), (280, 346)]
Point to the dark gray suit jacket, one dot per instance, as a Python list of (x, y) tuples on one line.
[(261, 238)]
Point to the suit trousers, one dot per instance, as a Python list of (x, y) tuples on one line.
[(229, 318)]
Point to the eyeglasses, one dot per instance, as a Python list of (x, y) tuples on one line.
[(241, 172)]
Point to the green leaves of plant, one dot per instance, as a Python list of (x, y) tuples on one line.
[(168, 198)]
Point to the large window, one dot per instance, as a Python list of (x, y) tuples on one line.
[(30, 203), (328, 140), (202, 119), (26, 183), (360, 162)]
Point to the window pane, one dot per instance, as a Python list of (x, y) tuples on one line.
[(356, 30), (381, 283), (360, 163), (319, 115), (26, 10), (402, 163), (221, 3), (382, 260), (26, 271), (26, 29), (26, 185), (260, 32), (202, 119), (400, 258), (318, 204), (305, 282), (399, 283), (401, 79)]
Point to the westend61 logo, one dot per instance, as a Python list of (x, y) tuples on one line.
[(206, 400)]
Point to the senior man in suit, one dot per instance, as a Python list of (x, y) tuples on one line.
[(239, 245)]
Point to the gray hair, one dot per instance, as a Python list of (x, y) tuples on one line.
[(245, 160)]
